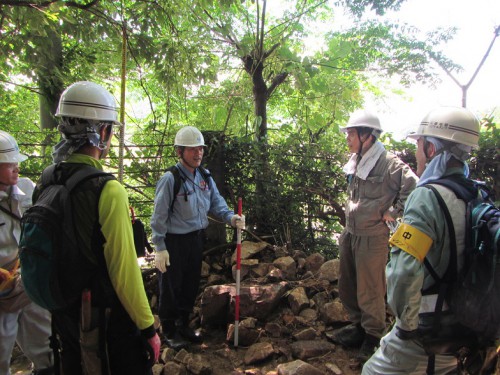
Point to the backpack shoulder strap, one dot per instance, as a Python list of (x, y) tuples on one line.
[(451, 232), (178, 179), (205, 174), (457, 184), (84, 173), (48, 176), (450, 275)]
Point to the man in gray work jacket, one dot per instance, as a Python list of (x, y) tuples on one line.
[(379, 183)]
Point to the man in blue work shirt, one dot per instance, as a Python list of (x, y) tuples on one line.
[(179, 234)]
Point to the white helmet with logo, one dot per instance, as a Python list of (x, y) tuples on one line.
[(453, 124), (189, 136), (364, 119), (88, 100), (9, 150)]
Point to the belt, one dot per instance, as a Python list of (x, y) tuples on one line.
[(195, 233)]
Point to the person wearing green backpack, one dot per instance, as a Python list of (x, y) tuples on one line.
[(429, 250), (115, 302)]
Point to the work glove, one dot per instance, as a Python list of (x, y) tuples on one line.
[(238, 221), (162, 260), (155, 344)]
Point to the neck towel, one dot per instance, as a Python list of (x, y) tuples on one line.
[(367, 162)]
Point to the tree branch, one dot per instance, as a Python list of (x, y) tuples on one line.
[(497, 32), (277, 80), (23, 86), (45, 4)]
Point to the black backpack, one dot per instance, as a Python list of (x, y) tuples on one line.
[(180, 179), (54, 270), (474, 292)]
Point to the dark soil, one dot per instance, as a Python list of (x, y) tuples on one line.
[(225, 359)]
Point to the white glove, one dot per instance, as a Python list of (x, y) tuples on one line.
[(162, 260), (238, 221)]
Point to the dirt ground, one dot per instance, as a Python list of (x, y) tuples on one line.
[(225, 359)]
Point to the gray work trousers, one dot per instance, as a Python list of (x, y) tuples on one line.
[(398, 357), (362, 283), (31, 328)]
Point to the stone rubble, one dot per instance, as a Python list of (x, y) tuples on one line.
[(289, 306)]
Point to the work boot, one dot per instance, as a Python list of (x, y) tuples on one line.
[(187, 332), (370, 345), (351, 336), (43, 371), (176, 341), (172, 337)]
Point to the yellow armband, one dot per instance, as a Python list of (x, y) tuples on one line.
[(412, 241)]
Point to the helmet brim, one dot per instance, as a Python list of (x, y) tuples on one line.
[(191, 145), (21, 157), (345, 128), (414, 136), (13, 158)]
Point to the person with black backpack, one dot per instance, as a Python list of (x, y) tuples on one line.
[(428, 253), (21, 320), (106, 305), (184, 197)]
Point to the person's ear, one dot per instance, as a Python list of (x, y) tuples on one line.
[(105, 132), (431, 150)]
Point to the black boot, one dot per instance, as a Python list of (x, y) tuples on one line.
[(370, 345), (187, 332), (172, 337), (351, 336), (44, 371)]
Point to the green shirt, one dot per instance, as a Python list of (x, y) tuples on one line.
[(119, 249)]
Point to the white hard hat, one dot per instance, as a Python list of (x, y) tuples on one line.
[(88, 100), (453, 124), (189, 136), (364, 119), (9, 150)]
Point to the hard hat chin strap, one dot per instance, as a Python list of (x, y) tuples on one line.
[(361, 142), (184, 161)]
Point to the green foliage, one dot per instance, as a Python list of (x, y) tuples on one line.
[(358, 7), (485, 162), (303, 188), (388, 50), (231, 67), (403, 149)]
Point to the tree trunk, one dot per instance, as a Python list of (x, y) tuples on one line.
[(214, 161), (49, 79), (255, 67), (49, 76)]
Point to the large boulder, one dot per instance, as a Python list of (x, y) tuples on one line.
[(258, 301)]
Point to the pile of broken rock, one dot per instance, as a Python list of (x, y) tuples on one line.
[(289, 307)]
